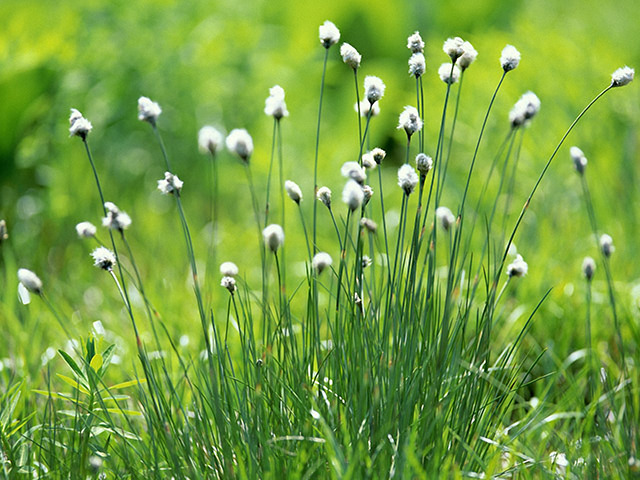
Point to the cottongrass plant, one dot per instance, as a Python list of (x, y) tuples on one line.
[(389, 363)]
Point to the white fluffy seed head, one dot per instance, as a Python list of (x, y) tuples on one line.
[(588, 268), (115, 219), (350, 56), (622, 76), (148, 110), (510, 58), (30, 280), (417, 65), (367, 108), (517, 268), (469, 55), (445, 217), (328, 33), (274, 105), (407, 178), (353, 195), (424, 163), (453, 47), (378, 155), (354, 171), (210, 139), (606, 244), (373, 89), (321, 261), (324, 195), (524, 110), (103, 258), (410, 120), (273, 237), (78, 125), (170, 184), (293, 190), (579, 159), (229, 269), (4, 233), (368, 224), (415, 43), (86, 229), (240, 142), (447, 75), (368, 161), (229, 283), (368, 193)]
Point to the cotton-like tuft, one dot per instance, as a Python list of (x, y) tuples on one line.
[(410, 120), (373, 89), (103, 258), (417, 65), (240, 142), (350, 56), (622, 76), (579, 159), (445, 218), (367, 108), (321, 261), (524, 110), (86, 229), (424, 163), (170, 184), (210, 139), (510, 58), (79, 126), (407, 178), (353, 171), (274, 105), (415, 43), (469, 55), (30, 280), (293, 190), (588, 268), (453, 47), (353, 195), (447, 75), (273, 237), (115, 219), (517, 268), (229, 269), (328, 33), (148, 110)]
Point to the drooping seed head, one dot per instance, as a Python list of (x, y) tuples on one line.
[(30, 280), (424, 163), (449, 75), (229, 269), (517, 268), (86, 229), (170, 184), (509, 58), (367, 108), (606, 244), (274, 105), (321, 261), (273, 237), (407, 178), (445, 217), (354, 171), (469, 55), (524, 110), (293, 190), (417, 65), (103, 258), (622, 76), (328, 33), (579, 160), (453, 47), (350, 56), (324, 195), (240, 142), (353, 195), (79, 126), (373, 88), (229, 283), (368, 224), (148, 110), (410, 120), (588, 268), (210, 139), (115, 219), (415, 43)]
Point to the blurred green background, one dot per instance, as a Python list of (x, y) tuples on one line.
[(212, 62)]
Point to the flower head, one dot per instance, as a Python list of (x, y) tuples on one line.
[(239, 142), (366, 261), (115, 219), (368, 193), (293, 190), (453, 47), (209, 139), (367, 108), (373, 89), (353, 171), (229, 283), (524, 110), (148, 110), (353, 195), (4, 234), (30, 280), (328, 33), (588, 268), (321, 261), (170, 184), (368, 161), (79, 126), (510, 58), (103, 258), (274, 105), (445, 217), (517, 268), (622, 76), (324, 195), (448, 74), (579, 160), (407, 178), (410, 120), (415, 43), (606, 244), (378, 155), (228, 269), (350, 56), (417, 65), (424, 163), (86, 229), (469, 55), (369, 224), (273, 237)]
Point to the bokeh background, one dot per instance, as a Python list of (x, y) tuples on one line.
[(212, 62)]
